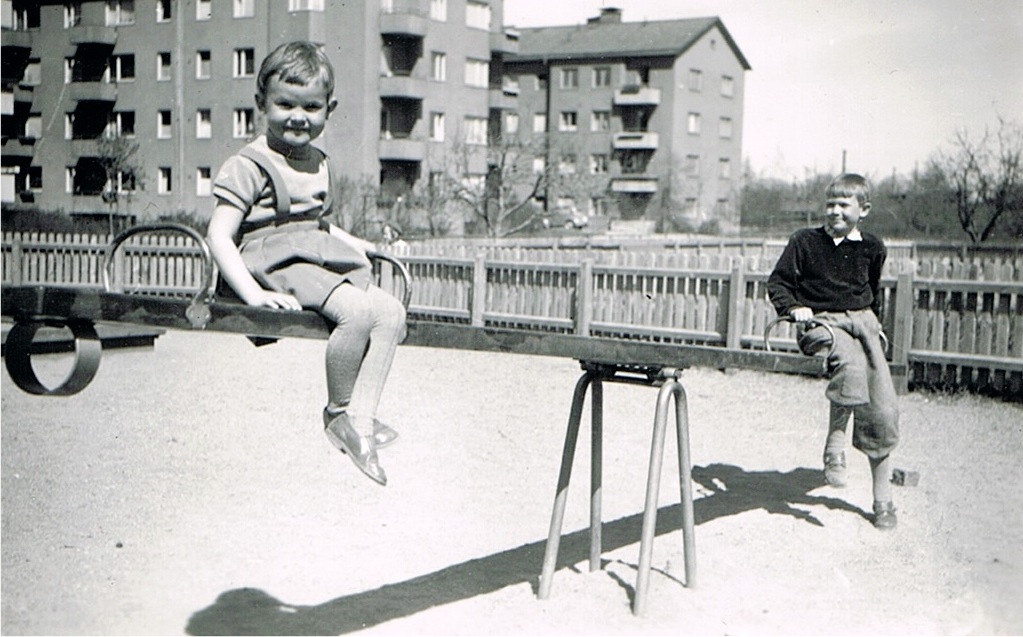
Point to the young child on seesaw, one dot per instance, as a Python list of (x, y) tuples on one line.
[(832, 274), (275, 249)]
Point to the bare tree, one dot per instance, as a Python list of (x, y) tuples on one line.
[(123, 169), (985, 178)]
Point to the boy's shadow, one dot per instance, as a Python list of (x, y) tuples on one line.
[(732, 490)]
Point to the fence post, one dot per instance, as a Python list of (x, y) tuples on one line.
[(584, 297), (479, 290), (736, 296), (16, 275), (903, 336)]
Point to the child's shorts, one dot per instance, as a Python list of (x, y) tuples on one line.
[(302, 260)]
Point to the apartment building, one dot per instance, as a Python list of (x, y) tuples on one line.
[(651, 112), (177, 77)]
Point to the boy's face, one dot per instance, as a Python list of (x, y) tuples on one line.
[(843, 214), (295, 113)]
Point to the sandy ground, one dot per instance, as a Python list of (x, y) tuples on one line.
[(190, 489)]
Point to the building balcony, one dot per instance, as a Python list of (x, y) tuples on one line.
[(504, 42), (635, 140), (22, 147), (17, 40), (93, 92), (637, 95), (635, 184), (84, 148), (104, 36), (404, 17), (503, 100), (401, 149), (402, 86)]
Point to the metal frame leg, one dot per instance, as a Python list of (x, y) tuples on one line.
[(671, 389)]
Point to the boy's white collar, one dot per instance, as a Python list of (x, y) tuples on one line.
[(852, 236)]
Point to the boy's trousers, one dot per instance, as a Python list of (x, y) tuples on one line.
[(860, 378)]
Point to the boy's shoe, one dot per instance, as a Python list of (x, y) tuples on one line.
[(360, 449), (834, 468), (884, 516), (382, 434)]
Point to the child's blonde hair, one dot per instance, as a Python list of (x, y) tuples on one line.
[(849, 185), (296, 62)]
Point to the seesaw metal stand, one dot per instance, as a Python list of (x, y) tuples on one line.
[(595, 374)]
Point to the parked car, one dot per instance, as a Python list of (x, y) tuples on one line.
[(567, 217)]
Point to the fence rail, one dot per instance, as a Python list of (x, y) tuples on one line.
[(952, 323)]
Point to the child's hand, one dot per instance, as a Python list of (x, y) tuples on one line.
[(276, 300), (801, 314)]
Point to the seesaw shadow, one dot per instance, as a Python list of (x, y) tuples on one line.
[(249, 611)]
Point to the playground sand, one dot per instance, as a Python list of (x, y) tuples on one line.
[(190, 489)]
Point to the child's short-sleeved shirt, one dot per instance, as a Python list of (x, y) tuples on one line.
[(244, 185)]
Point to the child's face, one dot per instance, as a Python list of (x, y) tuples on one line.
[(295, 113), (843, 214)]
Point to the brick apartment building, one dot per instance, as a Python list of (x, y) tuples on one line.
[(658, 105)]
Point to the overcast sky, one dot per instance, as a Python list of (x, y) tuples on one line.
[(888, 81)]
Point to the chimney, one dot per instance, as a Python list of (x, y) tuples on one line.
[(608, 15)]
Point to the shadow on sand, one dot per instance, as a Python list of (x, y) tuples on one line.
[(732, 490)]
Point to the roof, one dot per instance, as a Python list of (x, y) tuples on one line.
[(598, 39)]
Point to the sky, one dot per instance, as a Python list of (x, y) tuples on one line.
[(887, 82)]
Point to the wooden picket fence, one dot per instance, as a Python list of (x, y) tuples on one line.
[(952, 323)]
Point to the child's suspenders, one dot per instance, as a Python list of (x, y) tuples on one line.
[(282, 198)]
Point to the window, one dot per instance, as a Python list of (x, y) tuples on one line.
[(121, 124), (69, 70), (438, 66), (568, 122), (570, 78), (33, 75), (477, 73), (25, 17), (539, 122), (34, 126), (695, 80), (725, 128), (163, 124), (72, 14), (203, 65), (725, 168), (69, 179), (541, 83), (693, 123), (539, 164), (727, 86), (476, 130), (163, 180), (244, 8), (566, 164), (203, 181), (600, 121), (125, 182), (203, 123), (601, 76), (69, 125), (244, 122), (120, 12), (439, 10), (599, 164), (122, 67), (164, 10), (692, 166), (437, 127), (35, 178), (203, 9), (244, 63), (477, 15), (306, 5), (511, 123), (163, 66)]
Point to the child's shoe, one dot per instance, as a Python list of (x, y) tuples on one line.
[(360, 449), (884, 516), (834, 468)]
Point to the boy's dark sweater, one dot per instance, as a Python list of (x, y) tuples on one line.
[(813, 272)]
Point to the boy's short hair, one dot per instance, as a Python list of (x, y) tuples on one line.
[(296, 62), (849, 185)]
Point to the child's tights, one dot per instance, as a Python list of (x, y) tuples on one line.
[(369, 324)]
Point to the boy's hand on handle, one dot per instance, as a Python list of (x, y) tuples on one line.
[(801, 314), (276, 300)]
